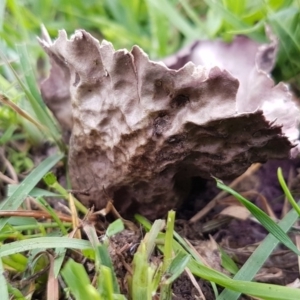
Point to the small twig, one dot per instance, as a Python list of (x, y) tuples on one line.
[(9, 167), (33, 213), (22, 113), (222, 194), (7, 179), (195, 283), (120, 255), (111, 209)]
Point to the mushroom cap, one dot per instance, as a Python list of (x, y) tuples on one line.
[(141, 131)]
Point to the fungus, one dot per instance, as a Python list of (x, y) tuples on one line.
[(141, 131)]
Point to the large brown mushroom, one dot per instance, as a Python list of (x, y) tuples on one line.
[(141, 131)]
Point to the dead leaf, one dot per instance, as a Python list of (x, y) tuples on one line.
[(237, 212)]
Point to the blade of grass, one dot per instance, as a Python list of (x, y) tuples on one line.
[(102, 255), (176, 19), (181, 245), (259, 256), (142, 283), (114, 228), (168, 240), (106, 262), (40, 225), (232, 19), (165, 290), (288, 37), (15, 200), (177, 266), (21, 112), (190, 11), (9, 261), (35, 192), (40, 109), (35, 98), (143, 274), (7, 135), (15, 292), (261, 290), (227, 262), (43, 243), (106, 289), (287, 192), (237, 7), (2, 12), (51, 180), (151, 236), (60, 254), (159, 32), (78, 281), (3, 283), (265, 291), (284, 32), (262, 217), (52, 213)]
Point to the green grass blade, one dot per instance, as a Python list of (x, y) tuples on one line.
[(165, 289), (15, 200), (227, 262), (168, 240), (52, 213), (60, 254), (143, 272), (261, 290), (237, 7), (3, 283), (78, 281), (176, 19), (43, 243), (35, 192), (151, 236), (263, 218), (160, 30), (287, 192), (105, 259), (51, 181), (193, 15), (265, 291), (7, 135), (29, 74), (177, 266), (286, 33), (236, 22), (2, 12), (35, 97), (15, 293), (143, 221), (114, 228), (259, 256), (106, 289), (143, 275)]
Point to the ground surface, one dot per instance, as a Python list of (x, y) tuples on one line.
[(239, 238)]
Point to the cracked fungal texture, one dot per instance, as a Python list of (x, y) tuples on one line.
[(141, 130)]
